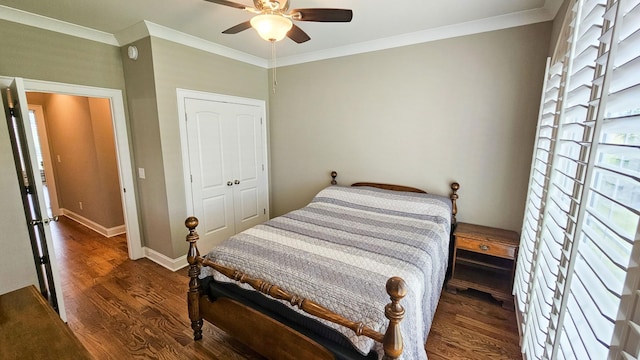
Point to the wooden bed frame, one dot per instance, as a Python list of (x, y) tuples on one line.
[(265, 335)]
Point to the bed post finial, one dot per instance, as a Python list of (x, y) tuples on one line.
[(193, 295), (454, 197), (392, 342), (333, 178)]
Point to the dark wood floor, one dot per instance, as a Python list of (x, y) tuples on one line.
[(123, 309)]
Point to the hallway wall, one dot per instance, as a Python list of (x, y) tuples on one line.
[(82, 145)]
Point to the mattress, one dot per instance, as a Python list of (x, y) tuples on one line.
[(340, 250)]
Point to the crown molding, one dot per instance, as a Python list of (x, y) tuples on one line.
[(132, 33), (129, 35), (146, 28), (63, 27), (166, 33), (445, 32)]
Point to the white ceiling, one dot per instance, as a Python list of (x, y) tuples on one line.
[(376, 24)]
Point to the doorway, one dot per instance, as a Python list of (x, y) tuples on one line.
[(77, 159), (126, 192), (122, 149)]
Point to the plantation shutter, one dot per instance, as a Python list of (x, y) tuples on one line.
[(604, 282), (576, 133), (527, 278), (577, 279), (623, 135)]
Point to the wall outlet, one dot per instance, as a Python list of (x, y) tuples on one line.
[(80, 203), (58, 157)]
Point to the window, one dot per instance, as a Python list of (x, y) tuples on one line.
[(576, 285)]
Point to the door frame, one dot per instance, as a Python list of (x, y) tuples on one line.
[(183, 94), (123, 152)]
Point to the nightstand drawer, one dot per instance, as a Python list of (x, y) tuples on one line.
[(486, 247)]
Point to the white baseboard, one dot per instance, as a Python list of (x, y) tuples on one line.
[(158, 258), (165, 261), (122, 229), (108, 232)]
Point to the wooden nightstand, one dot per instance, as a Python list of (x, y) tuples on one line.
[(484, 259)]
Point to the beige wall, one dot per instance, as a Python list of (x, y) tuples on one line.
[(177, 66), (145, 130), (80, 133), (460, 109), (43, 55), (106, 163), (174, 66)]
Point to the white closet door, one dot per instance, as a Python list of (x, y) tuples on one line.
[(249, 185), (208, 136), (228, 181)]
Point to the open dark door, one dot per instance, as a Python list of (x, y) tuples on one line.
[(22, 143)]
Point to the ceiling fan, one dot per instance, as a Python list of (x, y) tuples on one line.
[(274, 20)]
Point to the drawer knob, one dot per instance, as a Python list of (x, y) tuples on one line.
[(484, 247)]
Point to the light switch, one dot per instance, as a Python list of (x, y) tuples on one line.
[(141, 173)]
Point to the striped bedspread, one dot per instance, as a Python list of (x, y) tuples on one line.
[(340, 250)]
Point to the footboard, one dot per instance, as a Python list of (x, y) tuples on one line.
[(396, 289)]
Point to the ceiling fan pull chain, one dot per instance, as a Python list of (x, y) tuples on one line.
[(273, 63)]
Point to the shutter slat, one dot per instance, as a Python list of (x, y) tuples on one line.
[(582, 219)]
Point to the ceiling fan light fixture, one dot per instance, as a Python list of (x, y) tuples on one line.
[(271, 27)]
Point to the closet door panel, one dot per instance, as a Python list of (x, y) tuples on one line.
[(249, 206), (208, 131), (226, 151)]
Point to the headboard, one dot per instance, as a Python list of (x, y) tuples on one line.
[(453, 196)]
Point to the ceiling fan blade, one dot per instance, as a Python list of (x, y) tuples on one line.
[(298, 35), (322, 15), (228, 3), (238, 28)]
